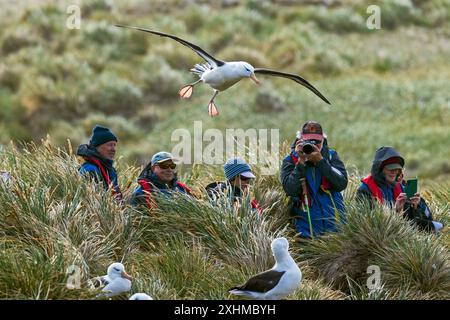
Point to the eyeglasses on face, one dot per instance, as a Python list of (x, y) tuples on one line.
[(167, 165), (244, 178)]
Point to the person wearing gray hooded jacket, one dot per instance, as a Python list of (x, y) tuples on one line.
[(385, 184)]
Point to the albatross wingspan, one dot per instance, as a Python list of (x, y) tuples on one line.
[(294, 77), (202, 53)]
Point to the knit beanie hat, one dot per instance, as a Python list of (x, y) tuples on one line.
[(236, 166), (101, 135)]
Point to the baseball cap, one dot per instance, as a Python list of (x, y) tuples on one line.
[(393, 163), (161, 157), (312, 130)]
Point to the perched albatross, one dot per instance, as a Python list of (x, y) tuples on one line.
[(116, 282), (276, 283), (220, 75)]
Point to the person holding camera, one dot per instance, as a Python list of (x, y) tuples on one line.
[(385, 184), (313, 176)]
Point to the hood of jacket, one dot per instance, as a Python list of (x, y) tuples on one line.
[(381, 155), (87, 151)]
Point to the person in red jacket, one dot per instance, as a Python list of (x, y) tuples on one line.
[(384, 185)]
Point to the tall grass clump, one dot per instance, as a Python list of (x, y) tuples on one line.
[(51, 219), (408, 259), (194, 247)]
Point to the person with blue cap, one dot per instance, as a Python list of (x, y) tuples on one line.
[(98, 157), (158, 177), (238, 174)]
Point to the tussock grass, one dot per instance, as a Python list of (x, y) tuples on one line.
[(413, 264), (195, 248), (63, 82)]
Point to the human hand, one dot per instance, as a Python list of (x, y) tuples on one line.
[(314, 156), (400, 202), (415, 200), (298, 149)]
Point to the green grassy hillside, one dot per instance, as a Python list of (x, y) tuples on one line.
[(51, 219), (387, 86)]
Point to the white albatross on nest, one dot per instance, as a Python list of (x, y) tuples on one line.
[(220, 75), (116, 282), (274, 284)]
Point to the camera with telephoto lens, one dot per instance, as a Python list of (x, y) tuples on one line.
[(308, 146)]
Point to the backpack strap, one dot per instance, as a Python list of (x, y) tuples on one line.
[(373, 188), (146, 187), (184, 187), (256, 206), (114, 189)]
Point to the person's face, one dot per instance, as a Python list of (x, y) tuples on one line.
[(241, 182), (107, 150), (319, 144), (165, 171), (391, 174)]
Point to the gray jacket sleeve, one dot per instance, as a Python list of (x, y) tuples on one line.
[(334, 171)]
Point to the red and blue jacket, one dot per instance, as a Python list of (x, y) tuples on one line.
[(318, 211), (150, 186), (100, 170)]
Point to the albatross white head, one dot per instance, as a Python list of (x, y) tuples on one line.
[(246, 70), (280, 247), (116, 271)]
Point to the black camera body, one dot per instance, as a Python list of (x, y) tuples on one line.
[(308, 146)]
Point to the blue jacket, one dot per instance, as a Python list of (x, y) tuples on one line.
[(98, 168), (326, 200)]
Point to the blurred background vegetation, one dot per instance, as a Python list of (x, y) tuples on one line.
[(387, 86)]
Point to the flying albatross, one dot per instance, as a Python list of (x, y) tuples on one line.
[(276, 283), (220, 75)]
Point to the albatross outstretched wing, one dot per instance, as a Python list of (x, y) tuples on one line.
[(294, 77), (202, 53)]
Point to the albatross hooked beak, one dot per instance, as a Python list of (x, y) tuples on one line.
[(253, 77), (126, 275)]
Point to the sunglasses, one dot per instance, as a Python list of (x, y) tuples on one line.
[(167, 165), (244, 178)]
